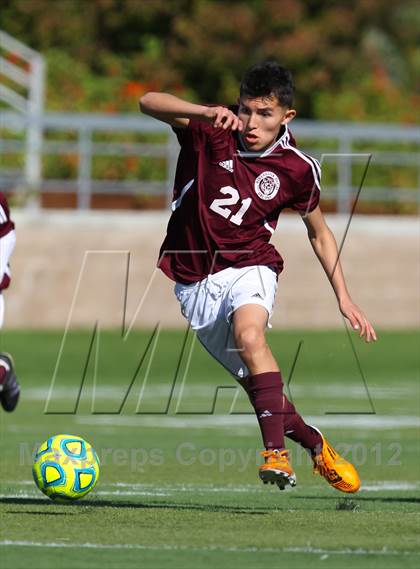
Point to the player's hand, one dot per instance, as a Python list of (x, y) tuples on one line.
[(221, 117), (357, 320)]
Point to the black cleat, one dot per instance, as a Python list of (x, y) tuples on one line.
[(9, 389)]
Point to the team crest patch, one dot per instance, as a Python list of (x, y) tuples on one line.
[(267, 185)]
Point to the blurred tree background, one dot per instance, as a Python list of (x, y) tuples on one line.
[(352, 60)]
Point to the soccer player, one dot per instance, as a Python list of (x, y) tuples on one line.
[(9, 387), (238, 168)]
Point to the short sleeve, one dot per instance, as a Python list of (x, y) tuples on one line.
[(194, 134), (309, 196)]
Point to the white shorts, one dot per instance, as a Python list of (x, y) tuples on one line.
[(208, 305)]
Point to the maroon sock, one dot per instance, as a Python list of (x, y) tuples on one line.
[(3, 374), (296, 429), (266, 394)]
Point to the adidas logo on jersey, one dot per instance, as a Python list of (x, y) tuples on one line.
[(227, 165)]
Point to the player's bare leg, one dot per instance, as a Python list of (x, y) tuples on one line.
[(249, 324)]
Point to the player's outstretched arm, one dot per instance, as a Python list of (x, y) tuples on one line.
[(177, 112), (325, 247)]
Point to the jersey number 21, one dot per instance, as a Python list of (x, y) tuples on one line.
[(220, 205)]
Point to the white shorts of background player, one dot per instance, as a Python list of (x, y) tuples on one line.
[(208, 306), (7, 244)]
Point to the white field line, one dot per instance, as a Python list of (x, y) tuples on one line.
[(405, 390), (131, 493), (387, 485), (215, 548), (139, 489), (390, 486), (97, 493), (149, 489), (24, 495), (376, 422)]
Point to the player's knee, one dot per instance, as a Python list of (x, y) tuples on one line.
[(249, 339)]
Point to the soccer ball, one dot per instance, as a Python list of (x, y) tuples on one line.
[(65, 468)]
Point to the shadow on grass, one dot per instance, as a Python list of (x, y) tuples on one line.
[(357, 498), (120, 504), (40, 513)]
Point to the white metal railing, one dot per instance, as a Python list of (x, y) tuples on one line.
[(25, 68), (86, 126)]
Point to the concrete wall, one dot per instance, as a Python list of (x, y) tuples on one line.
[(380, 257)]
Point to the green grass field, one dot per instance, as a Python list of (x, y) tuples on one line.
[(178, 484)]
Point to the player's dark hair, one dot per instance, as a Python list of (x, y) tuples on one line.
[(268, 78)]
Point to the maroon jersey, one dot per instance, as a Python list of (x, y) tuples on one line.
[(227, 201)]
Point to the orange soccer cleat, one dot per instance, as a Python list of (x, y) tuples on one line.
[(277, 468), (337, 471)]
